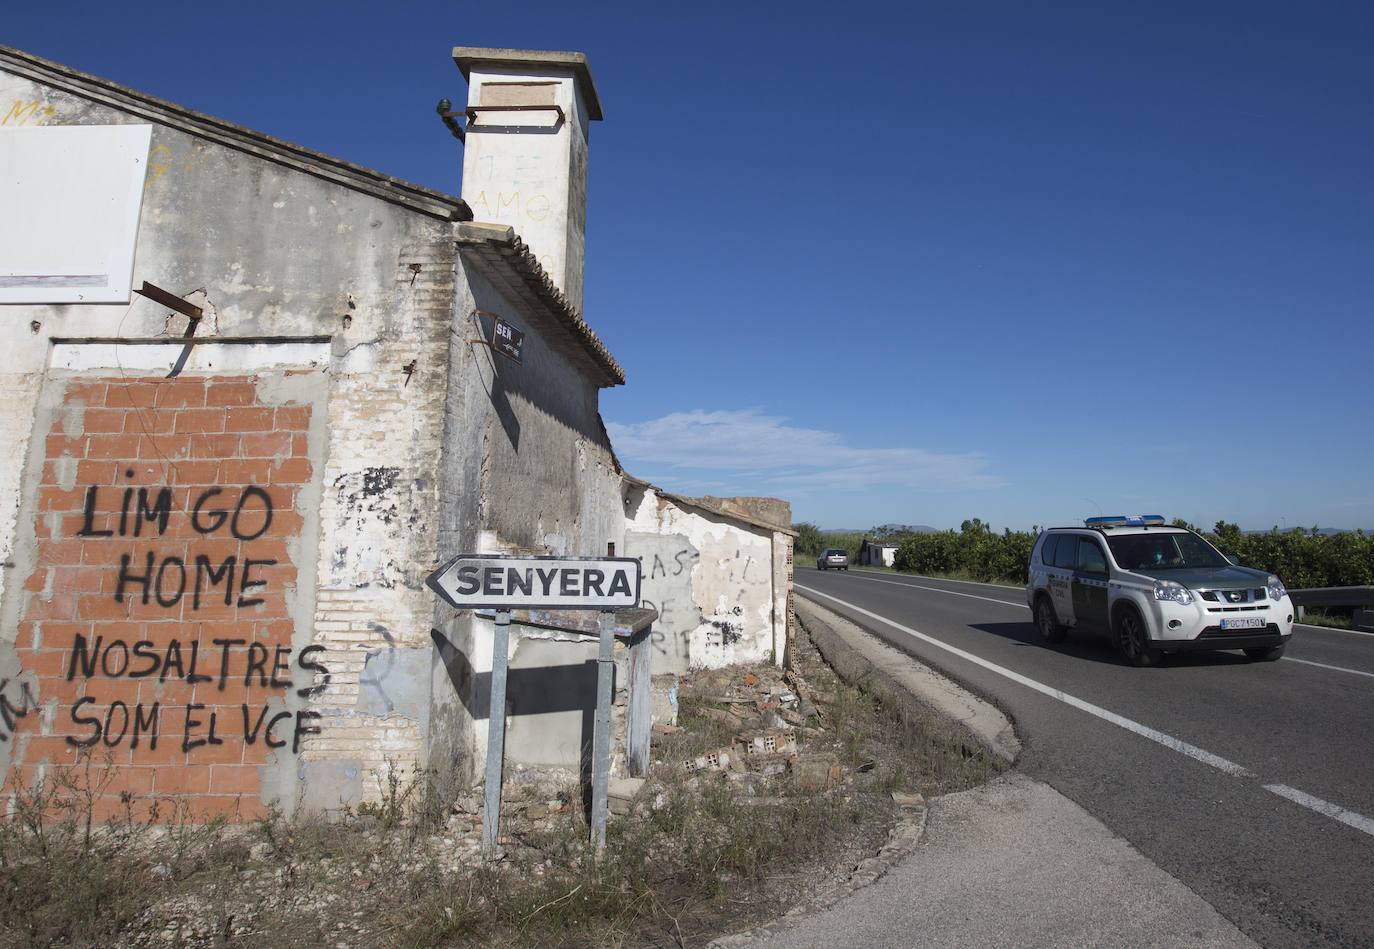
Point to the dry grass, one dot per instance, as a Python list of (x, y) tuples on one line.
[(701, 854), (67, 880)]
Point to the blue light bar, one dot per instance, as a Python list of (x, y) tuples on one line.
[(1125, 520)]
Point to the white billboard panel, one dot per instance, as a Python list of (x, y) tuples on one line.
[(70, 196)]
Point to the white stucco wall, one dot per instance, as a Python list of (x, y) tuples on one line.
[(535, 181), (741, 608)]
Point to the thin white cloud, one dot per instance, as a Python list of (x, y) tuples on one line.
[(764, 449)]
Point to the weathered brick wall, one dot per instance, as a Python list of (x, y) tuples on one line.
[(373, 612), (155, 631)]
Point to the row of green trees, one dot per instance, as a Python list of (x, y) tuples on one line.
[(1301, 558)]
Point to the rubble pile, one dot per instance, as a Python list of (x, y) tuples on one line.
[(781, 729)]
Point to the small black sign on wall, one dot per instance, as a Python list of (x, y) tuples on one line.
[(507, 340)]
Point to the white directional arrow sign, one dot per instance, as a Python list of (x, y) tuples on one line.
[(499, 582)]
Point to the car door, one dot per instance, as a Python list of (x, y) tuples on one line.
[(1090, 584), (1061, 576)]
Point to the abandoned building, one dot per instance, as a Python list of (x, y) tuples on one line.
[(250, 400), (875, 554)]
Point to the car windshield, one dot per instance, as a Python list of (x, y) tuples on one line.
[(1163, 551)]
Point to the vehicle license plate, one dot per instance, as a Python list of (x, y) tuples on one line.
[(1243, 622)]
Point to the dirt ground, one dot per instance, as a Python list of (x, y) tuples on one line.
[(772, 785)]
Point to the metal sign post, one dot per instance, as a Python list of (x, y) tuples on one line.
[(601, 737), (502, 583), (496, 734)]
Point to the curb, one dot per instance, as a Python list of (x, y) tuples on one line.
[(855, 657), (903, 681)]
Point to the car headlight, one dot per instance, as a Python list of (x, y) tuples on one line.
[(1275, 587), (1172, 592)]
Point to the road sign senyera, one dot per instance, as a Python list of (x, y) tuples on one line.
[(502, 582)]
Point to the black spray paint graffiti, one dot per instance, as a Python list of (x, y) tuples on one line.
[(664, 567), (169, 580), (728, 632), (11, 713), (165, 580), (94, 659), (727, 626), (682, 560), (371, 502)]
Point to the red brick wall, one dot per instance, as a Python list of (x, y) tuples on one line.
[(157, 614)]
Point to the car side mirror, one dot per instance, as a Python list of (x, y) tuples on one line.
[(1233, 560)]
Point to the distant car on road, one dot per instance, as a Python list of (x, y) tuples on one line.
[(1154, 589), (832, 558)]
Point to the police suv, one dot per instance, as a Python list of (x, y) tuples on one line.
[(1154, 589)]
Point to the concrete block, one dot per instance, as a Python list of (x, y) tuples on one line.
[(664, 699), (621, 794), (816, 772)]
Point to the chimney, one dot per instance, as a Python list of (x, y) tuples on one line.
[(525, 157)]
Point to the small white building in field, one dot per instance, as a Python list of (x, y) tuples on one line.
[(877, 555)]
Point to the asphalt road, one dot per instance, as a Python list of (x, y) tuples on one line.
[(1252, 783)]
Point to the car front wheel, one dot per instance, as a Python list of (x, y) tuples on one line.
[(1266, 653), (1051, 630), (1134, 642)]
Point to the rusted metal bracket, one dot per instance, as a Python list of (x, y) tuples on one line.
[(445, 110), (476, 312), (451, 121), (192, 313), (171, 301)]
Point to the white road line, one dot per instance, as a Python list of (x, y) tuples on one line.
[(990, 599), (1322, 665), (1335, 629), (1003, 586), (948, 580), (922, 576), (1022, 606), (1349, 818), (1145, 731), (971, 596)]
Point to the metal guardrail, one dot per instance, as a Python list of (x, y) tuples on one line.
[(1333, 596), (1360, 597)]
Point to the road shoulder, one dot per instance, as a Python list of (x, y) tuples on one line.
[(1011, 863), (865, 660)]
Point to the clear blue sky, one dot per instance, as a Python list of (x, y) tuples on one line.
[(908, 262)]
